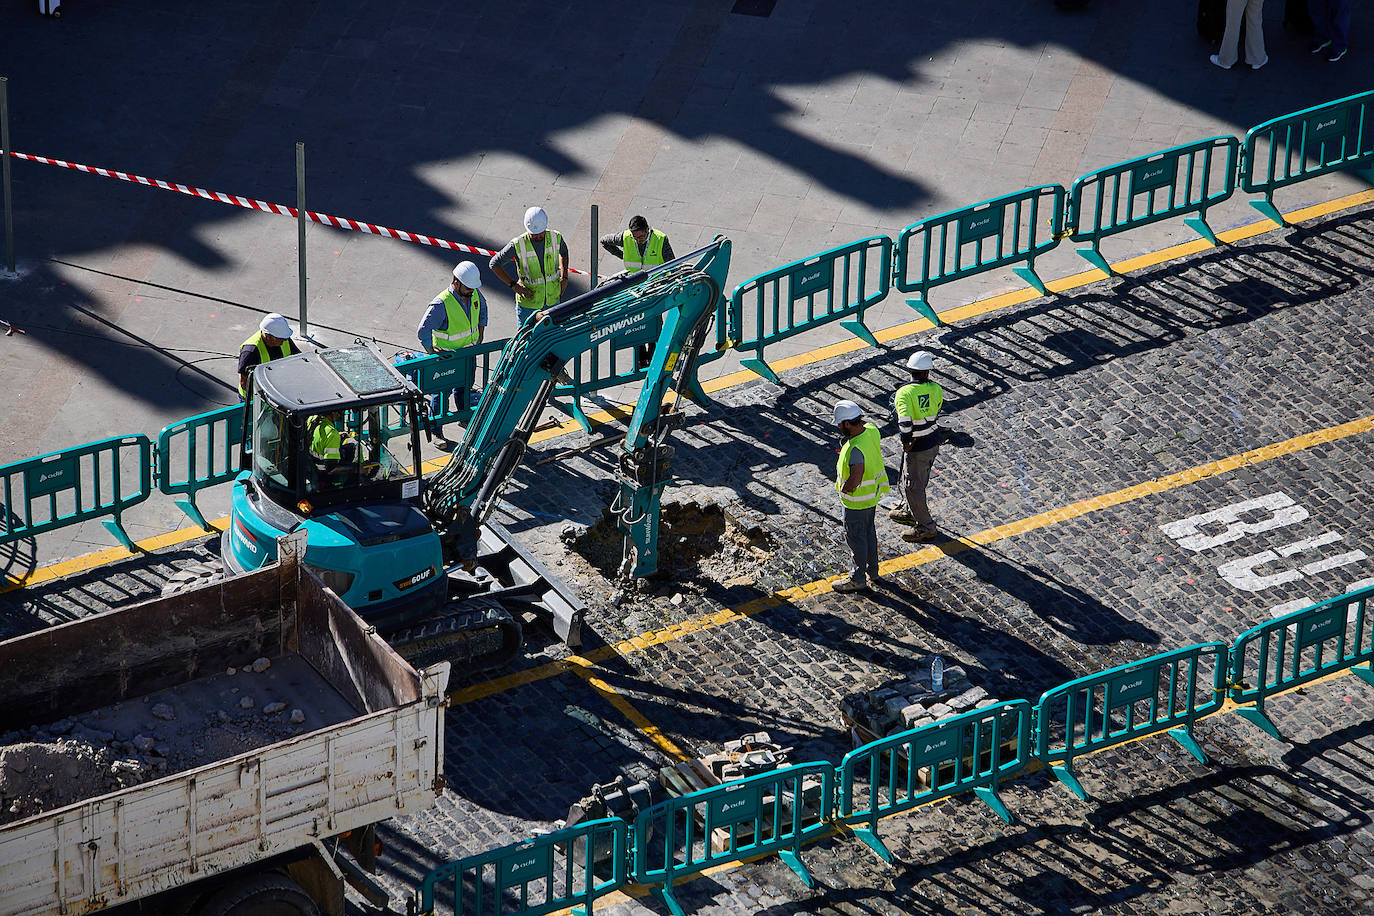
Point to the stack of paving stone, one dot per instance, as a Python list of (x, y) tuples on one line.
[(911, 703)]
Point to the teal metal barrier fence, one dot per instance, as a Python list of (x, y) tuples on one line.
[(1000, 232), (1301, 647), (1307, 143), (770, 812), (969, 752), (805, 294), (199, 452), (1166, 692), (456, 371), (76, 485), (566, 868), (1183, 181)]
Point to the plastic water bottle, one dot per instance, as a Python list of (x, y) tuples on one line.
[(937, 674)]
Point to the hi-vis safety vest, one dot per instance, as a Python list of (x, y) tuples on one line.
[(462, 328), (325, 441), (874, 482), (918, 408), (542, 279), (265, 353), (653, 250)]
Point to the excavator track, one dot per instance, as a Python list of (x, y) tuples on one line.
[(475, 634)]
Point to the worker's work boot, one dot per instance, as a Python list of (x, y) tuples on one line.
[(921, 534), (848, 586), (902, 517)]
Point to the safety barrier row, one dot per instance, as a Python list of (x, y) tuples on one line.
[(1013, 230), (778, 812)]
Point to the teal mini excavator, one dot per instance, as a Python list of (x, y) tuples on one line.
[(331, 445)]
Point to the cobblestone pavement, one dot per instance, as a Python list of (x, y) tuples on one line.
[(1113, 391)]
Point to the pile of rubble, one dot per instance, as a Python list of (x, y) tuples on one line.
[(114, 747), (932, 693)]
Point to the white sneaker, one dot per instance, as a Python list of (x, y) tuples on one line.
[(1217, 60)]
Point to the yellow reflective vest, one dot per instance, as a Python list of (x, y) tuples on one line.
[(653, 250), (265, 354), (874, 482), (541, 278), (461, 328)]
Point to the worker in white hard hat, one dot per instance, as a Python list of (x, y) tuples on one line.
[(861, 480), (534, 265), (918, 413), (272, 340), (456, 318)]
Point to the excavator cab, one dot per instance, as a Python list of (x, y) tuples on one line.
[(332, 446)]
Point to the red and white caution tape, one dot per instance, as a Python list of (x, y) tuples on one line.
[(219, 196)]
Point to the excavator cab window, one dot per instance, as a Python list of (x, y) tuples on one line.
[(356, 448), (272, 452)]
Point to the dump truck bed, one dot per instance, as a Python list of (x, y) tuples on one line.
[(237, 783)]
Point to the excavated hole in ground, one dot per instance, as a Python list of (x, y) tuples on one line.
[(702, 541)]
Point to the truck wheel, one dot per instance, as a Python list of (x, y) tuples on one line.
[(268, 894)]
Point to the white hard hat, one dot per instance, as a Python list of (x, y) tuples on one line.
[(536, 220), (467, 274), (275, 325), (846, 410), (920, 360)]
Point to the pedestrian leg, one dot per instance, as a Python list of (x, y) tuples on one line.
[(857, 525)]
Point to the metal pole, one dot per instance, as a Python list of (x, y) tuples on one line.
[(596, 246), (5, 171), (300, 231)]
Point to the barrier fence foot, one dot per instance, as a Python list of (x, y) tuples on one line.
[(1364, 673), (990, 798), (1185, 737), (1255, 716), (870, 836), (919, 303), (1267, 207), (1027, 273), (1064, 774), (1094, 257), (113, 526), (760, 368), (189, 507), (795, 863), (666, 892), (1199, 225), (856, 327)]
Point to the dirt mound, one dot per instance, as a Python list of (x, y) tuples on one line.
[(708, 541), (38, 777)]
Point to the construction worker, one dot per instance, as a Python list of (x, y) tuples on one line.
[(271, 341), (918, 412), (639, 246), (861, 480), (539, 260), (456, 318), (334, 451)]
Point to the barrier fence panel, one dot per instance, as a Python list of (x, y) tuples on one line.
[(770, 812), (567, 868), (1001, 232), (1307, 143), (199, 452), (829, 286), (65, 488), (1164, 692), (1300, 647), (448, 378), (969, 752), (1184, 180)]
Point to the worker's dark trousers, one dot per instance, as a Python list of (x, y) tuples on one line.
[(861, 534)]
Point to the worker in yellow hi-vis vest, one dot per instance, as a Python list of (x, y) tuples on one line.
[(456, 318), (918, 413), (861, 480), (539, 261)]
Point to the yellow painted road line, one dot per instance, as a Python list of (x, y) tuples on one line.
[(972, 310), (617, 699), (921, 557)]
